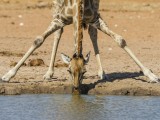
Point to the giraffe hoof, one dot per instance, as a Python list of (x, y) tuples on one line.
[(48, 76), (8, 75), (153, 78), (1, 81), (103, 76)]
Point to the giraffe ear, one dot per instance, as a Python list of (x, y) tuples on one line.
[(87, 57), (66, 59)]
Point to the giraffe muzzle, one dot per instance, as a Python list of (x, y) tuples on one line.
[(76, 90)]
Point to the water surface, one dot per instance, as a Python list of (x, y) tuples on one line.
[(84, 107)]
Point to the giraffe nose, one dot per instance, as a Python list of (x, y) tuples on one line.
[(76, 91), (76, 88)]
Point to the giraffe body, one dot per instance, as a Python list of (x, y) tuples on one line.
[(65, 13), (63, 10)]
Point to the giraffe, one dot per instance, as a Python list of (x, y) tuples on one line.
[(77, 62), (64, 15)]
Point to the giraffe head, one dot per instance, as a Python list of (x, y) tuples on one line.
[(76, 69)]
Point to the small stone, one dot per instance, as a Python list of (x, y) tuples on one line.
[(21, 24), (110, 49), (42, 4), (125, 30), (20, 16), (115, 25), (139, 16), (12, 23), (13, 63), (36, 62)]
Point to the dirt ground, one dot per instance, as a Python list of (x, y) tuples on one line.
[(138, 21)]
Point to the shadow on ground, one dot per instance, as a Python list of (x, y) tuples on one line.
[(112, 77)]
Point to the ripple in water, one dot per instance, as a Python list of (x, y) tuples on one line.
[(84, 107)]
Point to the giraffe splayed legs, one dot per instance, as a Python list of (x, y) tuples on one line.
[(55, 25), (93, 35), (57, 37), (100, 24)]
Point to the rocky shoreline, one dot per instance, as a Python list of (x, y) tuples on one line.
[(118, 87)]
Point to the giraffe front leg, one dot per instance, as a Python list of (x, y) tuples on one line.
[(55, 25), (50, 72), (39, 40), (147, 72), (100, 24), (93, 35)]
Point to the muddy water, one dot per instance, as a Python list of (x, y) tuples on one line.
[(68, 107)]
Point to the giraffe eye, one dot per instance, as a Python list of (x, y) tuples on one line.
[(84, 72), (69, 71)]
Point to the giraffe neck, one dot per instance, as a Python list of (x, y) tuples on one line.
[(80, 29), (78, 25)]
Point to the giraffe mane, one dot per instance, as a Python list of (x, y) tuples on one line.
[(80, 26)]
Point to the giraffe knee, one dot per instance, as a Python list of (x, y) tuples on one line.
[(121, 42), (38, 42)]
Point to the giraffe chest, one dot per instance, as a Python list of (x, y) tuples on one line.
[(90, 10), (89, 15)]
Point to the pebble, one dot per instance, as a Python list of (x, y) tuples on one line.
[(110, 49), (125, 30), (42, 4), (36, 62), (12, 23), (20, 16), (115, 25), (21, 24)]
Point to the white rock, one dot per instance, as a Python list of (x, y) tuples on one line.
[(21, 24)]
